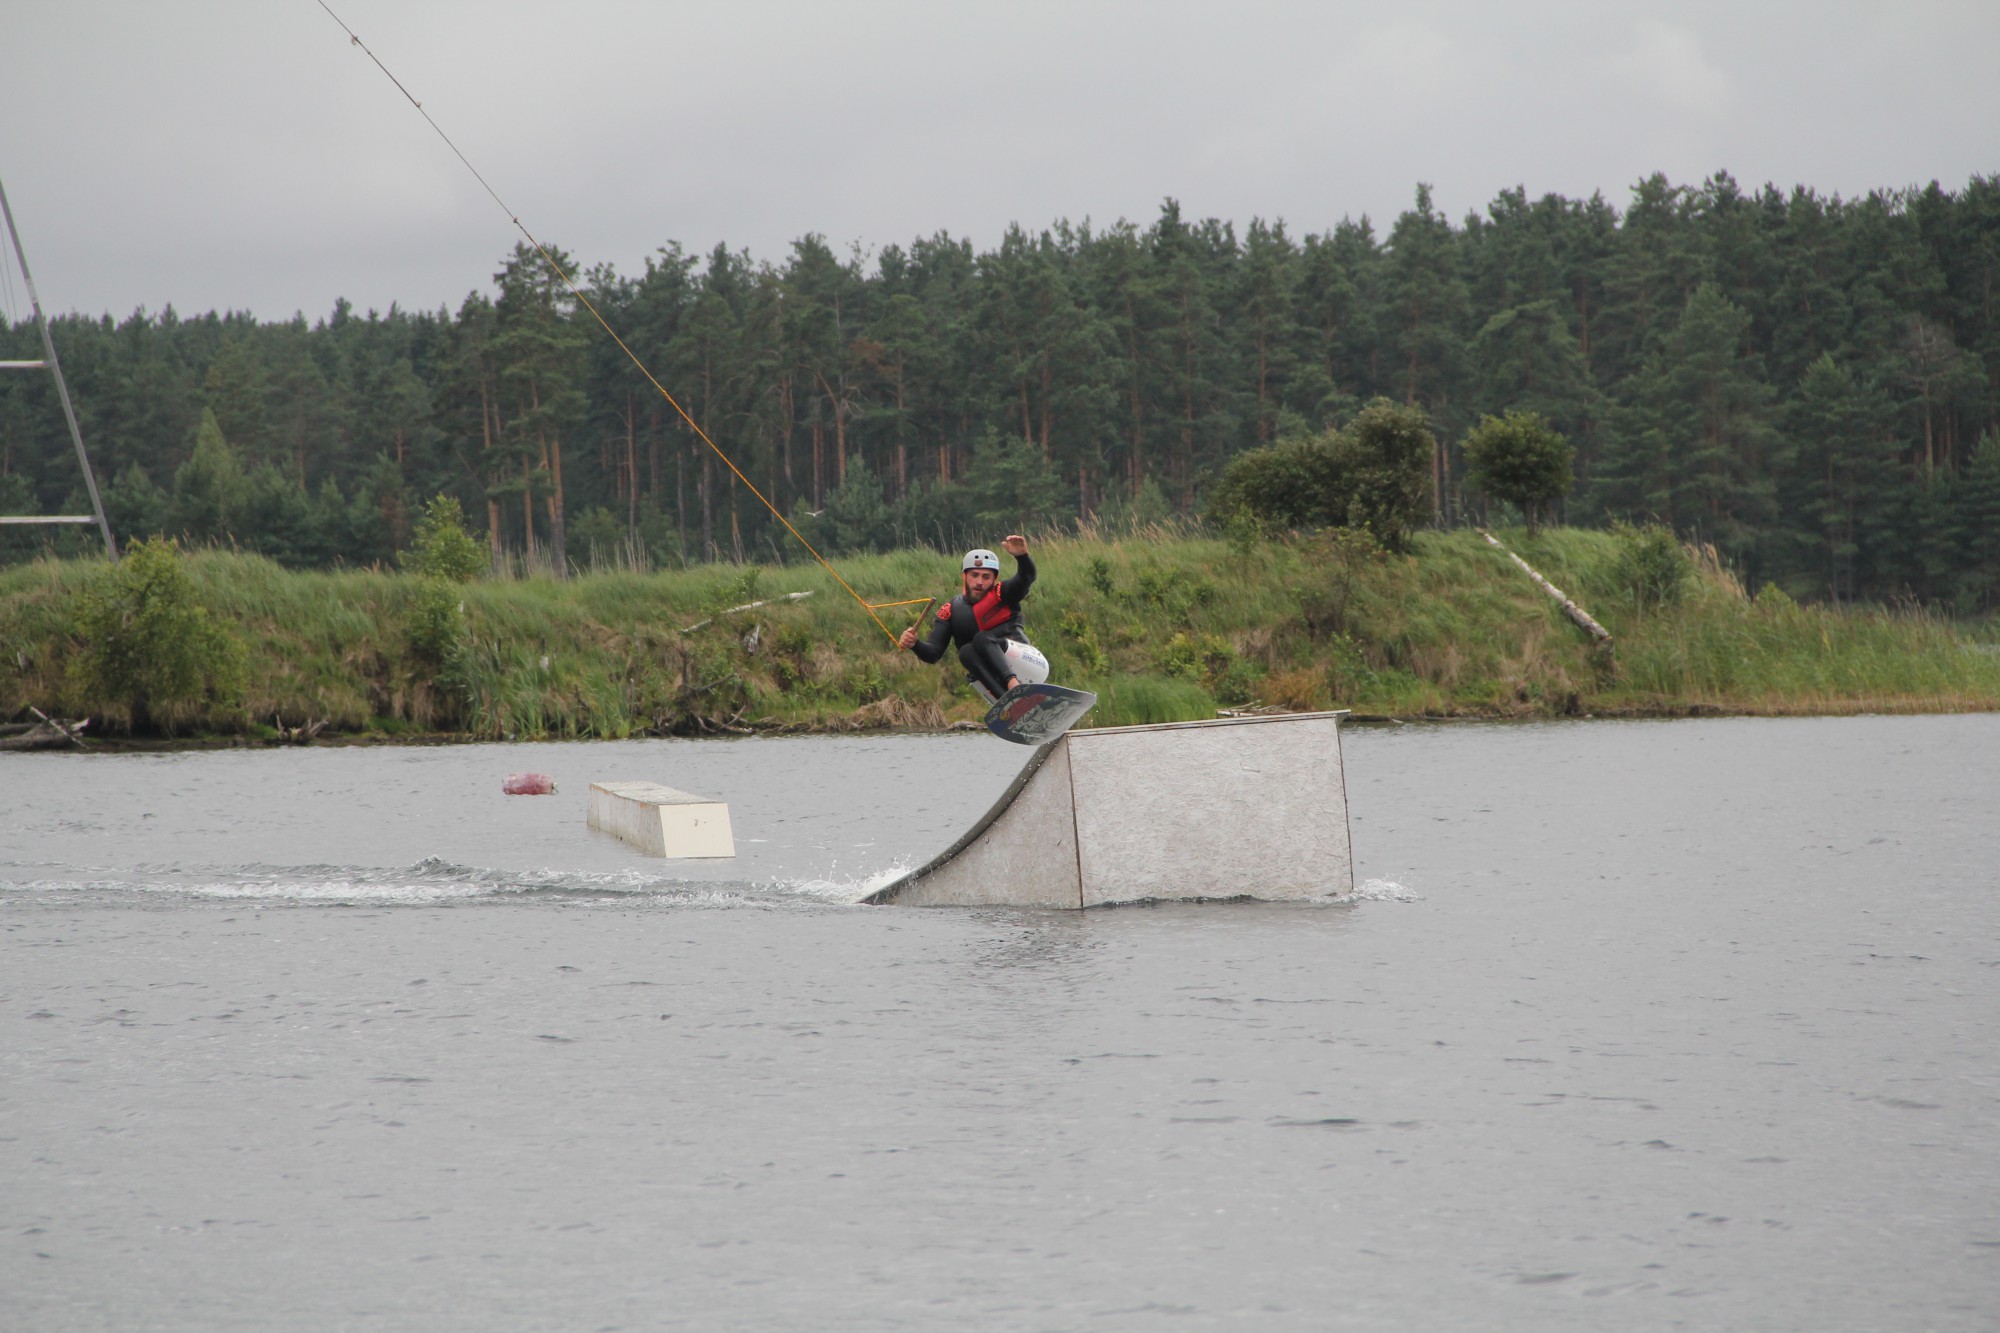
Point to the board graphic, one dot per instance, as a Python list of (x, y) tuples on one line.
[(1037, 714)]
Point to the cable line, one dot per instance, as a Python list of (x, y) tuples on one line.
[(575, 291)]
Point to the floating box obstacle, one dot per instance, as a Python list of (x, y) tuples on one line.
[(660, 820), (1238, 808)]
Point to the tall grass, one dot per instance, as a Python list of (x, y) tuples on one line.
[(1165, 623), (1124, 701)]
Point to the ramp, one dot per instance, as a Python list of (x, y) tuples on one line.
[(1239, 807)]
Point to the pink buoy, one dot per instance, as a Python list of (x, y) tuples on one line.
[(529, 784)]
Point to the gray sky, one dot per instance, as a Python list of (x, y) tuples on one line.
[(240, 154)]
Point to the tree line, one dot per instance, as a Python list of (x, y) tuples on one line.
[(1809, 383)]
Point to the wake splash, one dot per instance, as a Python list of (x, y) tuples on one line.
[(427, 883), (1381, 891), (436, 882)]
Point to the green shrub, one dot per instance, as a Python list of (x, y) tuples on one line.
[(1333, 559), (1519, 459), (1392, 447), (868, 683), (440, 547), (1775, 600), (1092, 659), (1349, 674), (738, 591), (1295, 483), (1373, 474), (1198, 657), (149, 643), (1651, 568), (597, 539), (1172, 593), (435, 629), (1238, 684)]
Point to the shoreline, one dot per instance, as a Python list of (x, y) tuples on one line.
[(436, 740), (1162, 626)]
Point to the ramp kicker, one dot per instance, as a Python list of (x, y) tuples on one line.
[(1238, 807)]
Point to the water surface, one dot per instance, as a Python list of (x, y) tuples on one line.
[(1634, 1025)]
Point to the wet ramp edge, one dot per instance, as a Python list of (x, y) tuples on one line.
[(888, 893)]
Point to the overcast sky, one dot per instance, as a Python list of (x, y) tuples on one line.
[(240, 154)]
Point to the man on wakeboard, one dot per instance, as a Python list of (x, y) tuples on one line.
[(984, 620)]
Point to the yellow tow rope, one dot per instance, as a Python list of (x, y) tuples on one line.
[(870, 607)]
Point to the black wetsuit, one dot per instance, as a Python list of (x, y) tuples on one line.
[(982, 629)]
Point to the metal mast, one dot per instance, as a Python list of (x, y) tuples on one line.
[(54, 367)]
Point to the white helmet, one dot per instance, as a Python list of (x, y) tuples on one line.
[(980, 559)]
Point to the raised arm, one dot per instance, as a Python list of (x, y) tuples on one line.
[(1014, 589)]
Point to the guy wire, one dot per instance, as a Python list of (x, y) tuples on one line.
[(673, 402)]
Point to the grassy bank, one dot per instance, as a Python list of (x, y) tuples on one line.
[(1164, 627)]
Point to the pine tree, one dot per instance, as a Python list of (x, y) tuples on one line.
[(1843, 478), (1428, 305), (1340, 312), (1978, 523), (1702, 420), (1528, 361), (538, 353), (1125, 287), (1264, 304), (1191, 360), (469, 413), (209, 487)]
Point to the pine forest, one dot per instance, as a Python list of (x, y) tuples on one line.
[(1808, 384)]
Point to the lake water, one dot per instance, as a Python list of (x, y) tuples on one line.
[(1660, 1025)]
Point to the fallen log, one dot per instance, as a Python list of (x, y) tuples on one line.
[(747, 606), (47, 734), (1570, 608)]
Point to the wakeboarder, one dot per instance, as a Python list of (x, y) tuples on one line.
[(1010, 673)]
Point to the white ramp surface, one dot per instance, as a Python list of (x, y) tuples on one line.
[(1238, 807)]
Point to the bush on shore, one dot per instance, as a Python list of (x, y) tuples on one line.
[(147, 647)]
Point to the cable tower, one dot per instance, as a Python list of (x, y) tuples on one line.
[(54, 367)]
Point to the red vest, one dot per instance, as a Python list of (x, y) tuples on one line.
[(969, 618)]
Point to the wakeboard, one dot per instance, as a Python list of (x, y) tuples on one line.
[(1037, 714)]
